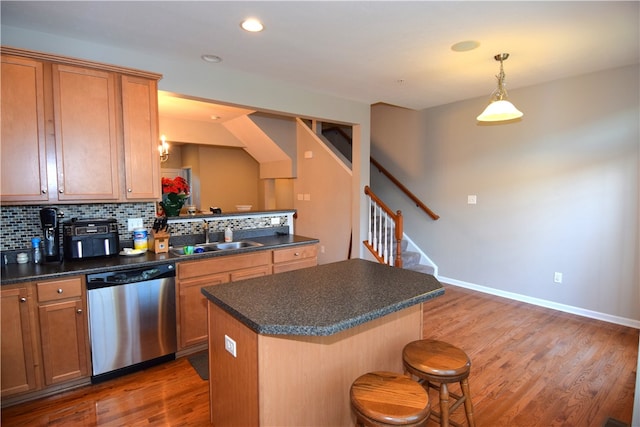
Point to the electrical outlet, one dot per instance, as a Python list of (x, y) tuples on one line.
[(230, 345), (275, 221), (133, 223), (557, 277)]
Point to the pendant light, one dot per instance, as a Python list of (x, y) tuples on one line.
[(499, 109)]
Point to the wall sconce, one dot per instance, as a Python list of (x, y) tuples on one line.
[(163, 148), (499, 109)]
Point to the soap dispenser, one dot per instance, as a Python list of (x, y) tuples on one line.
[(228, 234)]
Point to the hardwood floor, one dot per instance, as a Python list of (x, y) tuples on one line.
[(533, 366), (530, 367)]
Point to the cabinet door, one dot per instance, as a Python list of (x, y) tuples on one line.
[(192, 328), (23, 157), (84, 103), (140, 129), (18, 351), (63, 333)]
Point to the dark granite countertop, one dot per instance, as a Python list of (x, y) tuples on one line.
[(323, 300), (18, 273)]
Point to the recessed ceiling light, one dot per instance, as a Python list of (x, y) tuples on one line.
[(252, 25), (465, 45), (211, 58)]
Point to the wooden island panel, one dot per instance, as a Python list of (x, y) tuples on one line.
[(287, 380)]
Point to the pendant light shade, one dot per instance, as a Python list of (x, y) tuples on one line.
[(499, 109)]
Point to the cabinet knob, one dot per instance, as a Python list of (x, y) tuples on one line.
[(60, 290), (79, 311), (44, 191), (129, 190), (296, 254), (61, 191), (23, 299)]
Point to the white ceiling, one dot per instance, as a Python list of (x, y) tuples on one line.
[(394, 52)]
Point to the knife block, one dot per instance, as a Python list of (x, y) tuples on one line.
[(159, 242)]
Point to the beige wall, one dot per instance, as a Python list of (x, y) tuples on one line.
[(556, 192), (223, 176), (326, 183)]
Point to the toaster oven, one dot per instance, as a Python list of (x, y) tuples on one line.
[(90, 238)]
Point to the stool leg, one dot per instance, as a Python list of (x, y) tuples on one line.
[(444, 405), (468, 405)]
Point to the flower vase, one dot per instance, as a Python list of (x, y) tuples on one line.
[(172, 205)]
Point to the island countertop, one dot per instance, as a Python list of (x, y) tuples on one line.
[(323, 300)]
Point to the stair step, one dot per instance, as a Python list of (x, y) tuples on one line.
[(410, 259)]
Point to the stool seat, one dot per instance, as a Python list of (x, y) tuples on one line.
[(437, 364), (436, 358), (389, 399)]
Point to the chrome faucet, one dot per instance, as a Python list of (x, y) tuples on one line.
[(205, 227)]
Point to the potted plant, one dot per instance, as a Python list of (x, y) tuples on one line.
[(174, 194)]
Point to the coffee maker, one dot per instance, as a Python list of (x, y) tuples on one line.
[(51, 230)]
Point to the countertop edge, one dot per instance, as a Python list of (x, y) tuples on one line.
[(22, 273)]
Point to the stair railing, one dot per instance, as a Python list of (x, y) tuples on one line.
[(404, 189), (384, 238), (392, 178)]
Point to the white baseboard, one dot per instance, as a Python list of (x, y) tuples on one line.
[(544, 303)]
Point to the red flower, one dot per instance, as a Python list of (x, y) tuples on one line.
[(177, 185)]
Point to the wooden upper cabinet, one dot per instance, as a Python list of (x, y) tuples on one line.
[(76, 131), (140, 131), (84, 104), (23, 160)]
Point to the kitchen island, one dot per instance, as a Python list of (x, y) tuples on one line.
[(300, 339)]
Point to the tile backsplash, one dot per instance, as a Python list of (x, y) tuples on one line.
[(18, 224)]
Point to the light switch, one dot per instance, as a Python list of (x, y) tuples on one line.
[(472, 199)]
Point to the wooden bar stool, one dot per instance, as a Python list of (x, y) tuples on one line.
[(389, 399), (437, 364)]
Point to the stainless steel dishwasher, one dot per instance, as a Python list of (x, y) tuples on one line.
[(132, 319)]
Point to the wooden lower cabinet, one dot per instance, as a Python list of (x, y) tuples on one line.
[(194, 275), (63, 330), (295, 258), (192, 330), (19, 357), (45, 341)]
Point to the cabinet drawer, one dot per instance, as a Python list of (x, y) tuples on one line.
[(59, 289), (295, 265), (294, 254), (224, 263)]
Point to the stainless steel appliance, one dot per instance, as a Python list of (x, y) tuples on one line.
[(51, 230), (132, 319), (90, 238)]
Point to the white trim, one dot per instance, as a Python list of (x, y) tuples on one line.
[(424, 259), (544, 303)]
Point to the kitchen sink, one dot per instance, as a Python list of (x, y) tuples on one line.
[(211, 247), (236, 245)]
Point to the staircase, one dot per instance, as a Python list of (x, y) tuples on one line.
[(414, 260), (387, 242)]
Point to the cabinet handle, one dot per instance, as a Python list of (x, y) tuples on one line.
[(60, 291), (79, 311), (23, 299)]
